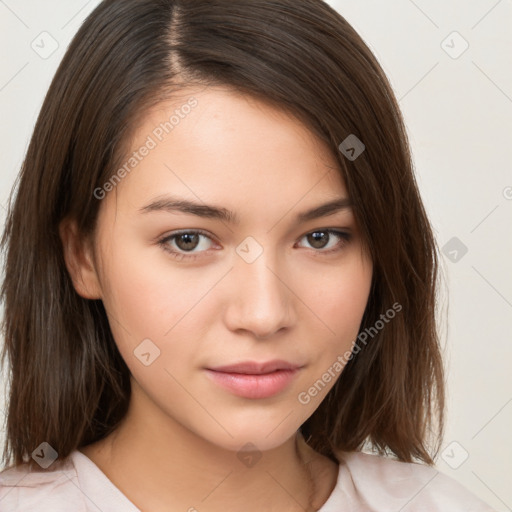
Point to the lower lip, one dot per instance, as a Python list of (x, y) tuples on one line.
[(254, 386)]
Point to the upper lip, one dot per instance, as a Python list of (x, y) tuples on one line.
[(255, 368)]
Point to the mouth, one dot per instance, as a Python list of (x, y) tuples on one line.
[(255, 368), (254, 380)]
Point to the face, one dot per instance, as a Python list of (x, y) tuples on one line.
[(190, 290)]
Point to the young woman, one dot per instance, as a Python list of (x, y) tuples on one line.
[(220, 279)]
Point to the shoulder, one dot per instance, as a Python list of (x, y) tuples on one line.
[(54, 489), (376, 480)]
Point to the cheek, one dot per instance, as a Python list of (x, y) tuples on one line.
[(150, 299), (143, 293), (338, 298), (339, 305)]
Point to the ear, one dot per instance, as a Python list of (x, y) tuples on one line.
[(79, 259)]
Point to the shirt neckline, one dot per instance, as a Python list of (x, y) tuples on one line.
[(113, 497), (88, 474)]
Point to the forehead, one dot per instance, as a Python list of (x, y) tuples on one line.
[(219, 144)]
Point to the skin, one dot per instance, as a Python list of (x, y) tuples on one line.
[(177, 447)]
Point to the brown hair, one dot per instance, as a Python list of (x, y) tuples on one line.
[(68, 384)]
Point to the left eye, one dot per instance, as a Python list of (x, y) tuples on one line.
[(185, 242), (320, 236)]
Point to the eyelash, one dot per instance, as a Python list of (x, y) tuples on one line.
[(163, 242)]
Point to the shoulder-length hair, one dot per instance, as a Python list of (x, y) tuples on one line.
[(68, 385)]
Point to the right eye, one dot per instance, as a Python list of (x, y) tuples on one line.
[(181, 244)]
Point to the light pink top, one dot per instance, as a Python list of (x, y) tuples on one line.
[(366, 483)]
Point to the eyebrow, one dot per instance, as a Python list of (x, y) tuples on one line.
[(172, 205)]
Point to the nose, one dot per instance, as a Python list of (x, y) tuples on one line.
[(260, 300)]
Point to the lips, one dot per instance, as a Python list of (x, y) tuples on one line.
[(254, 380), (255, 368)]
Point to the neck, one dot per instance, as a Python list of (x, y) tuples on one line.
[(182, 471)]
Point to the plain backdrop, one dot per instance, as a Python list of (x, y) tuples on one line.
[(449, 64)]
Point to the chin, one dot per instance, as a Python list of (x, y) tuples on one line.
[(253, 438)]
